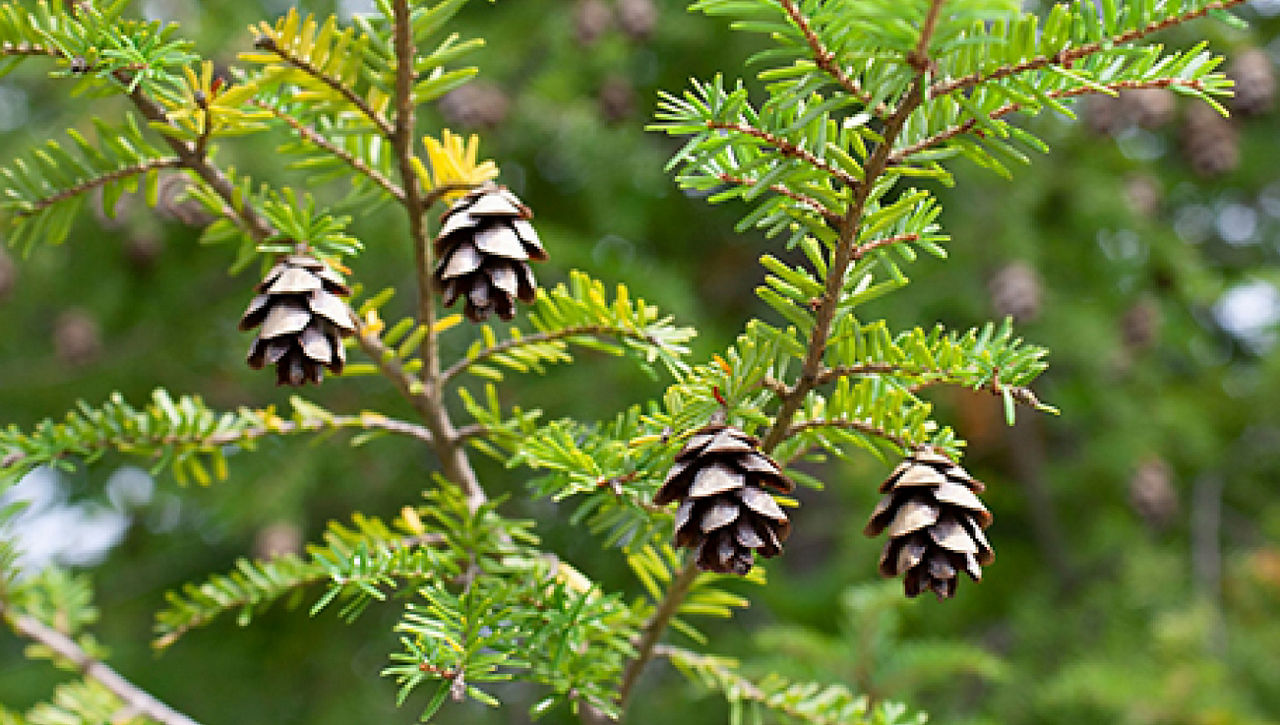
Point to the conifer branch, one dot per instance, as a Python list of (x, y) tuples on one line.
[(377, 119), (444, 437), (655, 626), (786, 191), (310, 135), (453, 455), (947, 134), (77, 189), (826, 59), (134, 698), (28, 49), (270, 427), (1069, 55), (786, 148), (844, 256)]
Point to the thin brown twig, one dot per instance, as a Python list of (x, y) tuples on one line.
[(1070, 55), (654, 628), (122, 173), (377, 119), (947, 134), (825, 59), (279, 427), (786, 148), (133, 697), (863, 249), (795, 196), (310, 135)]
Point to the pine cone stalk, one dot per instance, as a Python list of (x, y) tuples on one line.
[(719, 478), (935, 522), (303, 320), (484, 248)]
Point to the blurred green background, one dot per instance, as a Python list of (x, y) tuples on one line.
[(1138, 535)]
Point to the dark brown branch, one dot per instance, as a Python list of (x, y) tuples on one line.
[(122, 173), (310, 135), (377, 119), (654, 628), (795, 196), (133, 697), (786, 148), (601, 331), (826, 59), (906, 152), (1070, 55)]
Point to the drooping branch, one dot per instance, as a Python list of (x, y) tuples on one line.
[(947, 134), (786, 148), (134, 697), (377, 119), (315, 138), (825, 59), (77, 189), (1069, 55)]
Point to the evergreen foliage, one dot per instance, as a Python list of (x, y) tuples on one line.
[(863, 99)]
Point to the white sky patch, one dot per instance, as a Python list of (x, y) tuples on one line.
[(52, 530), (1250, 311)]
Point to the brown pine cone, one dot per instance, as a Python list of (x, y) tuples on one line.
[(1209, 141), (303, 320), (1255, 80), (484, 248), (719, 479), (935, 523)]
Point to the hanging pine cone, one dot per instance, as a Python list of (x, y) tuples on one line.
[(719, 479), (935, 523), (1016, 291), (303, 320), (1255, 81), (484, 249), (1209, 141)]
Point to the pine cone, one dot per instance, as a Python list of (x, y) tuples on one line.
[(1255, 81), (637, 17), (591, 19), (935, 523), (1152, 493), (725, 513), (1015, 291), (1209, 141), (484, 248), (303, 320)]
